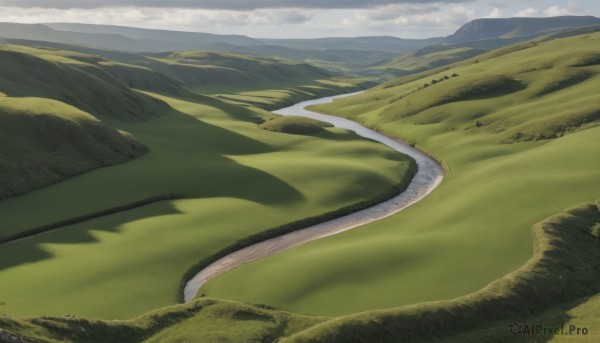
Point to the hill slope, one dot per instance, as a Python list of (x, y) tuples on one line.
[(54, 105), (74, 79), (44, 141), (517, 129), (491, 28)]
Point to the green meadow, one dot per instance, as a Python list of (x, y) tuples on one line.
[(516, 129), (231, 180)]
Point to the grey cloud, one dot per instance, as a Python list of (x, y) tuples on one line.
[(393, 12), (296, 17), (217, 4)]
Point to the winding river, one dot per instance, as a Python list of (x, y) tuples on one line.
[(427, 178)]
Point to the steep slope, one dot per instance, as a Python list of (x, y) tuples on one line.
[(517, 129), (72, 78), (497, 94), (162, 40), (374, 43), (54, 105), (44, 141), (490, 28), (202, 68), (120, 37), (447, 53), (421, 60)]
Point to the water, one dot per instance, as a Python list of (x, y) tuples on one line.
[(428, 177)]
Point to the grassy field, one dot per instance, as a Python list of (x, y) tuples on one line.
[(563, 269), (234, 178), (43, 141), (517, 130), (415, 62), (294, 125)]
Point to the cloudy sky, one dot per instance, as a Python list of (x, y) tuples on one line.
[(290, 18)]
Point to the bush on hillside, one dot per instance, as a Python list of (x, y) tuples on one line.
[(294, 125)]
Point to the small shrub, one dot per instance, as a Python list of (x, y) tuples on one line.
[(446, 77), (596, 231), (434, 82)]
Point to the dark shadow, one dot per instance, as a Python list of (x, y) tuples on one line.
[(186, 158), (235, 111), (28, 251)]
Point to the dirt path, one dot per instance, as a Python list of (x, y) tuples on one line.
[(428, 177)]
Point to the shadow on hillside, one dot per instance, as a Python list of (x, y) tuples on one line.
[(187, 158), (238, 112), (28, 250)]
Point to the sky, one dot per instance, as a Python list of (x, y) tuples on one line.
[(291, 18)]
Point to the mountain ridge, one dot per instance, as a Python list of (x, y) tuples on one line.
[(489, 28)]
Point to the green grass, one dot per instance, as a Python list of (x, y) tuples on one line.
[(475, 227), (70, 78), (206, 68), (515, 130), (294, 125), (415, 62), (44, 141), (233, 180), (237, 180), (205, 320), (564, 267), (275, 95)]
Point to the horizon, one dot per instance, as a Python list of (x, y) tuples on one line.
[(407, 19), (299, 38)]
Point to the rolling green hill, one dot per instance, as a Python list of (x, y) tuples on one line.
[(439, 55), (419, 61), (516, 129), (490, 28), (74, 79), (204, 68), (294, 125), (52, 109), (44, 141), (96, 239)]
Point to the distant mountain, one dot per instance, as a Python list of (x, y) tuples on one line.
[(336, 54), (158, 40), (370, 43), (491, 28)]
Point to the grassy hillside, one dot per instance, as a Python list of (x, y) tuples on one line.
[(212, 154), (202, 68), (53, 109), (516, 129), (563, 268), (294, 125), (45, 141), (276, 95), (37, 74), (200, 321), (72, 78), (416, 62), (490, 28)]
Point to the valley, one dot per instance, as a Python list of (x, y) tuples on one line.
[(133, 159)]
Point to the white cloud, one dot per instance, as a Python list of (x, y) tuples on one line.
[(552, 11), (165, 18), (391, 12), (528, 12), (495, 13)]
